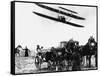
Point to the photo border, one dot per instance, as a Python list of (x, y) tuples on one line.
[(13, 34)]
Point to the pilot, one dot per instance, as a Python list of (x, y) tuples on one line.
[(63, 18)]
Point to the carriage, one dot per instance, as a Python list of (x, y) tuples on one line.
[(55, 58)]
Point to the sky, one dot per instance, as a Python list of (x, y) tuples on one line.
[(32, 30)]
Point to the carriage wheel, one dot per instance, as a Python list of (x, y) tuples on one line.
[(37, 62)]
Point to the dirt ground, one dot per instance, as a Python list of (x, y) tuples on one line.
[(27, 65)]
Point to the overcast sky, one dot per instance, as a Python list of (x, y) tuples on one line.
[(31, 29)]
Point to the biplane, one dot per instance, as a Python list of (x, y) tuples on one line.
[(61, 19)]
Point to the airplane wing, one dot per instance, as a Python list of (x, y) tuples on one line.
[(68, 10), (61, 12), (56, 19)]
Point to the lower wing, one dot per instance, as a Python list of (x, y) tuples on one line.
[(56, 19)]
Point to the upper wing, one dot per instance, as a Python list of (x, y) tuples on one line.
[(68, 10), (61, 12), (56, 19)]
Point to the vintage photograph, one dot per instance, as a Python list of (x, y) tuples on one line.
[(51, 37)]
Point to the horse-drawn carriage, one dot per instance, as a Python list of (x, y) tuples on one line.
[(71, 55)]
